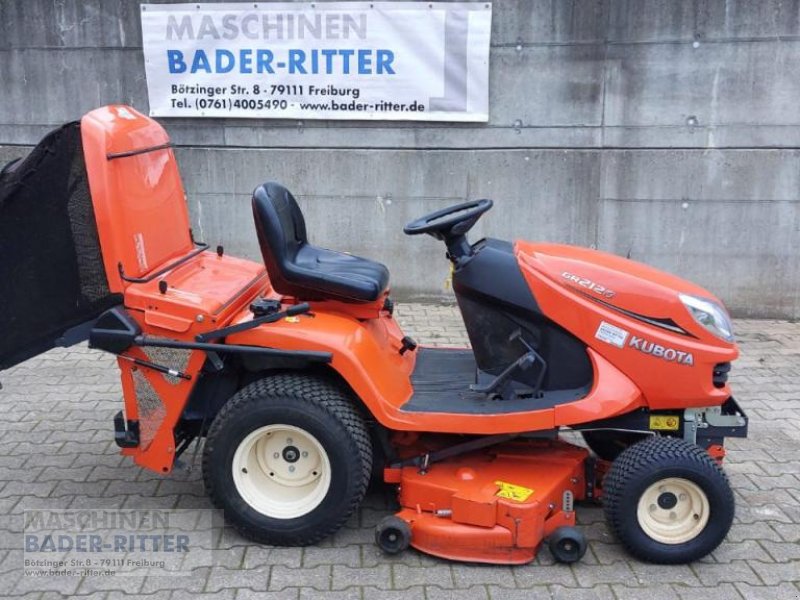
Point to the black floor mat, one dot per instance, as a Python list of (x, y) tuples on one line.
[(441, 381)]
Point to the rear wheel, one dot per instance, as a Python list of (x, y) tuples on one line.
[(288, 459), (281, 471), (668, 501)]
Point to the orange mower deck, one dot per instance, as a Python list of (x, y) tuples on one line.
[(492, 507)]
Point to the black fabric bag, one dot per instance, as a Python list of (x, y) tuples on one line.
[(52, 276)]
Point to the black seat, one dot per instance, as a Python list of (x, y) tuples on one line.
[(296, 268)]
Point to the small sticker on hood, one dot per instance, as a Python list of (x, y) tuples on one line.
[(611, 334), (141, 255)]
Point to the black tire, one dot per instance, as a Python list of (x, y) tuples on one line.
[(315, 406), (567, 545), (393, 535), (657, 459), (608, 445)]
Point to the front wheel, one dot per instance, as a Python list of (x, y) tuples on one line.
[(668, 501), (288, 459)]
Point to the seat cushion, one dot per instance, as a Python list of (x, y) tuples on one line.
[(338, 274), (297, 268)]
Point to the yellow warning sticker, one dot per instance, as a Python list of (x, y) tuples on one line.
[(664, 422), (512, 492), (292, 319)]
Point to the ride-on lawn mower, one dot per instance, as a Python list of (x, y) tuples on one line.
[(302, 384)]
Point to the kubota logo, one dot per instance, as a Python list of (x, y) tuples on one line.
[(588, 284), (657, 350)]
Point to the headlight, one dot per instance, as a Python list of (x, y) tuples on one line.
[(710, 315)]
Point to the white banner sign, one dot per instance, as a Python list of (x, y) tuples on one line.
[(324, 60)]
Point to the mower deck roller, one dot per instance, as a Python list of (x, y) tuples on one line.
[(294, 373)]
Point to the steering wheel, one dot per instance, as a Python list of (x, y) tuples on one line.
[(451, 222)]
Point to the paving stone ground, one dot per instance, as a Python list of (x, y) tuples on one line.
[(56, 451)]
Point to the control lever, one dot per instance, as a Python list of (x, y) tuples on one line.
[(292, 311), (523, 363), (516, 336)]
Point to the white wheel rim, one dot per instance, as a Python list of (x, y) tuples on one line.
[(673, 510), (281, 471)]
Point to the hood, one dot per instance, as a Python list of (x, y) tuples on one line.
[(621, 284)]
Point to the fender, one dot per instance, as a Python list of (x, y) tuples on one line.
[(366, 354)]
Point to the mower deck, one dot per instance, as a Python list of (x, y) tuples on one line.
[(441, 380), (493, 506)]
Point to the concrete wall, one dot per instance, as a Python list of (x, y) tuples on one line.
[(667, 130)]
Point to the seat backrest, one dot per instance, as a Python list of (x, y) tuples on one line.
[(281, 231)]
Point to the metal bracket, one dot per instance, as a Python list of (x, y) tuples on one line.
[(692, 421), (567, 501), (695, 419), (715, 418), (126, 432)]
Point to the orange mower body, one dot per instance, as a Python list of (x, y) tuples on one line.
[(561, 338)]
